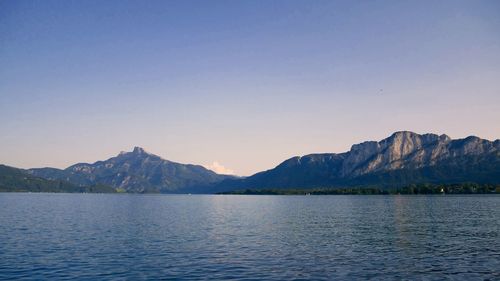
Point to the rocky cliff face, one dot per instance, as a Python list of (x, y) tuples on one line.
[(403, 158), (392, 152), (410, 150), (136, 171)]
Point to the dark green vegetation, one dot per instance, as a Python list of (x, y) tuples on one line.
[(17, 180), (466, 188)]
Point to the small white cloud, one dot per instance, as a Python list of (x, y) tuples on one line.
[(219, 169)]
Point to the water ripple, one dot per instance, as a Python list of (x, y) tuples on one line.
[(104, 237)]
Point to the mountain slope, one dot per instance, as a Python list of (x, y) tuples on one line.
[(401, 159), (137, 171), (13, 179)]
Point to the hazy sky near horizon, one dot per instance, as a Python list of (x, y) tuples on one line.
[(245, 84)]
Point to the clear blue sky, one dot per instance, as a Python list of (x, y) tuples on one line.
[(244, 83)]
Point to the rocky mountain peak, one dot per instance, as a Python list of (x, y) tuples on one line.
[(444, 138), (399, 150), (403, 134), (407, 142), (408, 138), (138, 150), (137, 171)]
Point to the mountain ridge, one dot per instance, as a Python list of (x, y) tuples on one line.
[(402, 158), (404, 154), (136, 171)]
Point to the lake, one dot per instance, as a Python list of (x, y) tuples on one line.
[(105, 236)]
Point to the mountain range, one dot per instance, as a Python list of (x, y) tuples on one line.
[(403, 158)]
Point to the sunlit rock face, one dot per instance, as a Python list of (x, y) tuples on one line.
[(410, 150), (402, 149)]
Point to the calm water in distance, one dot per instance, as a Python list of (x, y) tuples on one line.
[(100, 237)]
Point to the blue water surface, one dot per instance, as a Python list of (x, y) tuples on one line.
[(222, 237)]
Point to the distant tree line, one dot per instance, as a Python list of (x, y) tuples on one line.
[(462, 188)]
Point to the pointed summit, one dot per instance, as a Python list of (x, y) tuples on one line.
[(138, 150), (138, 171)]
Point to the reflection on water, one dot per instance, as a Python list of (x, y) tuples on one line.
[(91, 236)]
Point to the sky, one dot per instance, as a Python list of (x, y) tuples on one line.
[(240, 86)]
